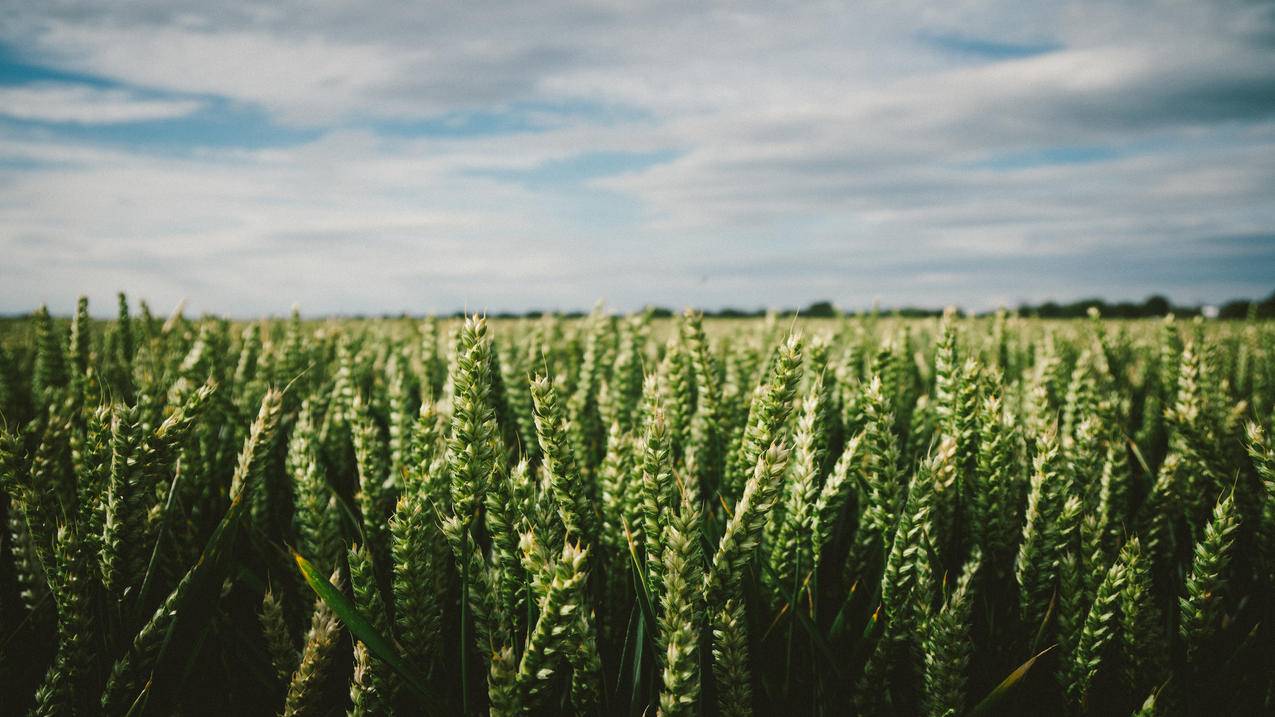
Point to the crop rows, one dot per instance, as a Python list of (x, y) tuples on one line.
[(621, 515)]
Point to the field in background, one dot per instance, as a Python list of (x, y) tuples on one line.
[(625, 514)]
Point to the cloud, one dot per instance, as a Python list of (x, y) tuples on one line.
[(351, 223), (82, 104), (396, 155)]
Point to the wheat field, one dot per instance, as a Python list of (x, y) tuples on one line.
[(631, 515)]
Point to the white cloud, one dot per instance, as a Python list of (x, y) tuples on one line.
[(347, 224), (302, 79), (82, 104), (817, 151)]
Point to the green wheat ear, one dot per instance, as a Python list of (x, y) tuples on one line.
[(743, 531), (419, 555), (1099, 629), (274, 628), (558, 604), (834, 496), (310, 690), (767, 414), (472, 446), (1201, 608), (49, 373), (565, 481), (681, 616), (948, 648), (1143, 642), (730, 660), (1264, 464), (791, 554)]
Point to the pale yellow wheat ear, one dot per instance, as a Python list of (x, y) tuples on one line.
[(174, 317)]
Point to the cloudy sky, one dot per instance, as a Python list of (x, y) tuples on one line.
[(386, 155)]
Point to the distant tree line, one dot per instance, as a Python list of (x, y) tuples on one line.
[(1152, 307), (817, 310)]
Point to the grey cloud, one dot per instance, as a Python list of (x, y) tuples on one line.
[(815, 149)]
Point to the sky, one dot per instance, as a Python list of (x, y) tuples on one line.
[(386, 156)]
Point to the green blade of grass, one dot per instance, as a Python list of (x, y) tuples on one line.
[(819, 641), (999, 693), (639, 583), (635, 703), (627, 653), (1044, 623), (206, 577), (165, 518), (362, 629)]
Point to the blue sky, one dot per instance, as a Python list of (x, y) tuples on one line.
[(386, 156)]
